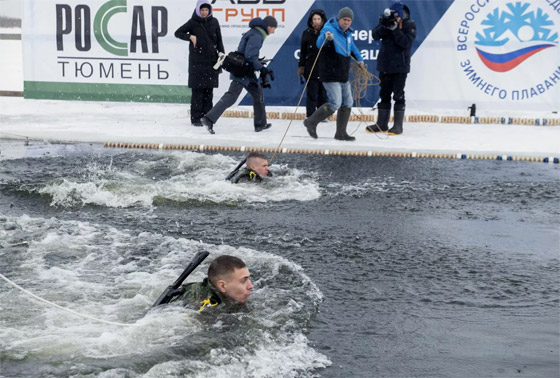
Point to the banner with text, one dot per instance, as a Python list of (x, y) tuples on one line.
[(499, 54)]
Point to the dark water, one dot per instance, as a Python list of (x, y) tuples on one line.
[(363, 267)]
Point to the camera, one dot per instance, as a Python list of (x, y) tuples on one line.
[(265, 80), (389, 18)]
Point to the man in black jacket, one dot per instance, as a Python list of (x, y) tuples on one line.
[(397, 31), (250, 46), (316, 95), (203, 33)]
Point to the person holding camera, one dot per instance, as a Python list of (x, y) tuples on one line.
[(334, 70), (203, 33), (397, 31), (250, 46)]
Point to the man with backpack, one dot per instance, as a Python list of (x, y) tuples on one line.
[(250, 46)]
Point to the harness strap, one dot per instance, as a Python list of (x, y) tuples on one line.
[(205, 303)]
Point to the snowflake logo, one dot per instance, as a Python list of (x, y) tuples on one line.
[(518, 25)]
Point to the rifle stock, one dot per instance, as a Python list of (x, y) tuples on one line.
[(173, 290)]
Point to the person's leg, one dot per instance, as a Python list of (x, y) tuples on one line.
[(334, 94), (344, 112), (227, 100), (399, 81), (256, 93), (197, 102), (322, 94), (312, 97), (385, 90), (384, 106), (346, 95), (207, 102)]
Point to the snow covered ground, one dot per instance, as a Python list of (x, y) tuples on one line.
[(99, 122)]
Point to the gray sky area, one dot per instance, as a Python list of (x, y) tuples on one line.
[(10, 8)]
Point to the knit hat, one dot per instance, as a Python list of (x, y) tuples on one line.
[(270, 21), (397, 6), (345, 12)]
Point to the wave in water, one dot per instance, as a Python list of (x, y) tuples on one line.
[(116, 275), (177, 177)]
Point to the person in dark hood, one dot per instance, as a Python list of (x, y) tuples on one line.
[(250, 45), (397, 31), (203, 33), (316, 95)]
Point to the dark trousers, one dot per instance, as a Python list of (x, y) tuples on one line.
[(229, 98), (316, 96), (392, 83), (201, 102)]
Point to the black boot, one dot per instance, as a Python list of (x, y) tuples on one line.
[(342, 117), (383, 116), (397, 124), (258, 129), (209, 124), (324, 111)]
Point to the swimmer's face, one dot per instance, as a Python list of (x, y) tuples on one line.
[(237, 285), (260, 166)]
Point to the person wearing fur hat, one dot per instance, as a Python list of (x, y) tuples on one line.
[(337, 45), (397, 31), (316, 95), (203, 33), (250, 46)]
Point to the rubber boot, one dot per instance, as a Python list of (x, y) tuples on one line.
[(324, 111), (381, 125), (397, 123), (342, 117)]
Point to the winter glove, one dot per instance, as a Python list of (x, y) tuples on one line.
[(300, 71), (392, 25), (329, 36)]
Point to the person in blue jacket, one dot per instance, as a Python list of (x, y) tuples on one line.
[(334, 70), (250, 46), (397, 31)]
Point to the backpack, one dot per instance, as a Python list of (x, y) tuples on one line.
[(235, 63)]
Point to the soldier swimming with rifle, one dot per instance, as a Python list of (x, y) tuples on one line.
[(228, 284)]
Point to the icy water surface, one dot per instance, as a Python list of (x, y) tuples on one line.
[(363, 267)]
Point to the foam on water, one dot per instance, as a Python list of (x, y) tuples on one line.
[(177, 176), (116, 275)]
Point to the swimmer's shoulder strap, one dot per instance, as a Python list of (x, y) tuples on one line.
[(174, 290), (234, 172)]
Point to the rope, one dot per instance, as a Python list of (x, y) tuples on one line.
[(63, 308), (361, 80), (299, 102)]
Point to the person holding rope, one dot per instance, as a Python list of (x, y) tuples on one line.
[(250, 47), (334, 70), (203, 33), (316, 95), (397, 31)]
